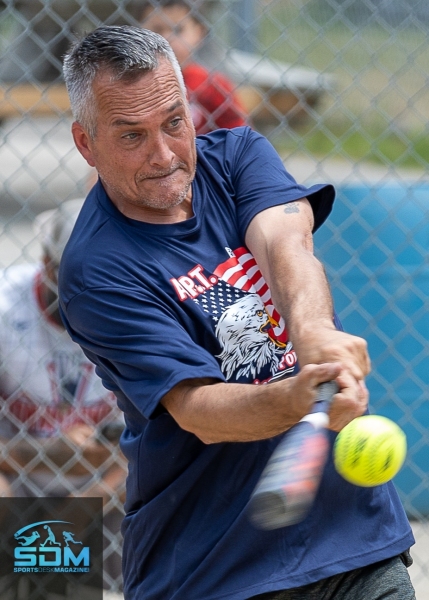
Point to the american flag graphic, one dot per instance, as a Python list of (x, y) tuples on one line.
[(218, 298), (242, 272)]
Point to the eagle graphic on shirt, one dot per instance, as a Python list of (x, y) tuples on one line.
[(244, 333), (251, 333)]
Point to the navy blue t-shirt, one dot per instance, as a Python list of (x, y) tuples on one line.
[(153, 305)]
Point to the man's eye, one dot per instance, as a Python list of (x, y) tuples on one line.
[(130, 136), (175, 122)]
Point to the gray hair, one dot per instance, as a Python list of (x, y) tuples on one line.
[(126, 52)]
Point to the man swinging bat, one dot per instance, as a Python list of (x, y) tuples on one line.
[(177, 232)]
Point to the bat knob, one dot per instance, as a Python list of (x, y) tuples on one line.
[(268, 510)]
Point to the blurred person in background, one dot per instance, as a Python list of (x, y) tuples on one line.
[(58, 425), (214, 104)]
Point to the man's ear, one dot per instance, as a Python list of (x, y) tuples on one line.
[(83, 143)]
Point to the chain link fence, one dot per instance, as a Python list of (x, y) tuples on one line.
[(340, 87)]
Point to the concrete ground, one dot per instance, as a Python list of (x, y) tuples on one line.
[(419, 571)]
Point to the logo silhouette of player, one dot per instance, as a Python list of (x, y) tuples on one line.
[(68, 537), (51, 538), (30, 539)]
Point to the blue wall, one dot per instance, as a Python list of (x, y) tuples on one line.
[(375, 247)]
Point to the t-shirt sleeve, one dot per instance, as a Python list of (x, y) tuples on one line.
[(260, 180), (142, 350)]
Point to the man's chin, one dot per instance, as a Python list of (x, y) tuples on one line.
[(161, 203)]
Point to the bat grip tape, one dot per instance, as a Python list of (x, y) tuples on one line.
[(318, 416)]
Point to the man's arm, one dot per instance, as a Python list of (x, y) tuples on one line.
[(280, 238), (236, 412)]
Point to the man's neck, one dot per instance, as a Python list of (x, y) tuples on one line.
[(176, 214)]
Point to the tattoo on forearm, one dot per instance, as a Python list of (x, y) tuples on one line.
[(291, 207)]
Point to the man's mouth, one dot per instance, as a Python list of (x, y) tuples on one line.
[(159, 175)]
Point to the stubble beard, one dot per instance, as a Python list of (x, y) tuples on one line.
[(160, 202), (165, 201)]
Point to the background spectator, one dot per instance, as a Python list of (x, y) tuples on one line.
[(214, 103), (55, 410)]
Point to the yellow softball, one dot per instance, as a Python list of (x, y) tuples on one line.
[(370, 450)]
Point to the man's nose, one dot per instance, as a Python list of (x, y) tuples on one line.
[(160, 153)]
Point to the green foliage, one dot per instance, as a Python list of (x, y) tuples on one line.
[(379, 109), (410, 151)]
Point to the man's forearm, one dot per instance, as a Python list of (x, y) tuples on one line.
[(300, 291), (297, 280), (236, 412), (280, 239)]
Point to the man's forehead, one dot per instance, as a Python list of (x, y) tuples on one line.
[(153, 95), (164, 111), (163, 71)]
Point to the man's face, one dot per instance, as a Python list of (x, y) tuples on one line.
[(179, 28), (144, 147)]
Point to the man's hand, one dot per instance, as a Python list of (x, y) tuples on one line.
[(236, 412), (350, 402), (325, 344)]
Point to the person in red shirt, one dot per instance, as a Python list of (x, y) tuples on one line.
[(214, 103)]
